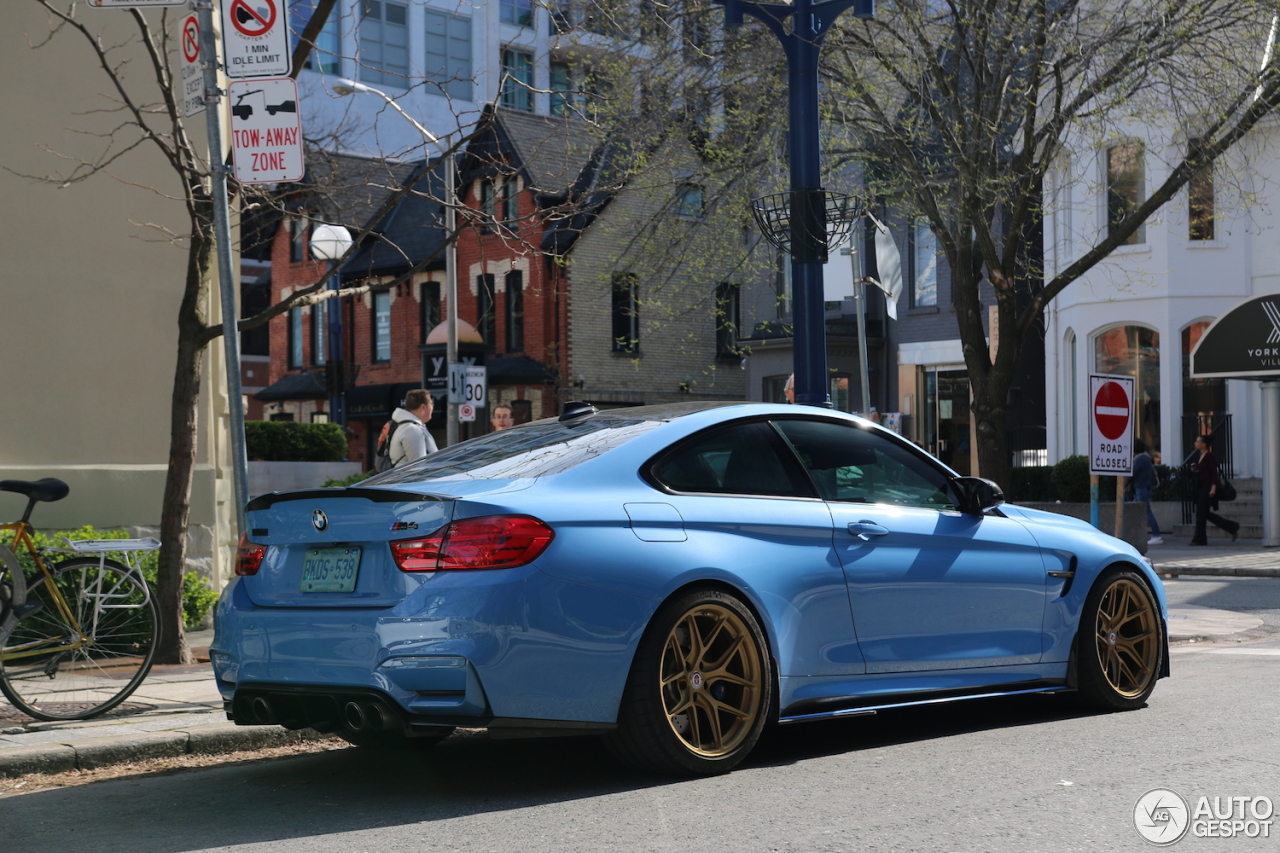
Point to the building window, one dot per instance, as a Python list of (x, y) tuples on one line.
[(319, 332), (1204, 401), (924, 266), (384, 43), (1126, 188), (1134, 351), (488, 204), (484, 311), (429, 305), (515, 311), (689, 200), (382, 325), (1200, 197), (297, 239), (517, 12), (511, 200), (448, 54), (728, 319), (517, 80), (325, 55), (565, 98), (295, 338), (626, 313)]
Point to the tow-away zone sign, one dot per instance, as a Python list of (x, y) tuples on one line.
[(266, 130)]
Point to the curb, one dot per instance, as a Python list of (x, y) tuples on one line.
[(1174, 571), (93, 753)]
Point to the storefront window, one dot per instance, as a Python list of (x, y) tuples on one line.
[(1204, 401), (946, 417), (1135, 351)]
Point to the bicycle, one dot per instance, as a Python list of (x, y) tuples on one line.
[(77, 637)]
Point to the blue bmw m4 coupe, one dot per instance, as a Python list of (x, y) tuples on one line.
[(671, 578)]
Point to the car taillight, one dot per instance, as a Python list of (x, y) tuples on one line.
[(249, 558), (491, 542)]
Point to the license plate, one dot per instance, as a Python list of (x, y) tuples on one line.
[(330, 569)]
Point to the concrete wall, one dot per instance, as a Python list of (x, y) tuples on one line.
[(91, 293), (1135, 519)]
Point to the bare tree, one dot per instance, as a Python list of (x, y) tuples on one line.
[(959, 109)]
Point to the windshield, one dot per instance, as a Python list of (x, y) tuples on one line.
[(535, 450)]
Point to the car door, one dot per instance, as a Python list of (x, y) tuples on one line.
[(930, 587), (750, 513)]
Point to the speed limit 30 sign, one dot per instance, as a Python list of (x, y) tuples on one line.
[(1110, 424), (468, 384)]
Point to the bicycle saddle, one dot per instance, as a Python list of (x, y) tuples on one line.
[(49, 489)]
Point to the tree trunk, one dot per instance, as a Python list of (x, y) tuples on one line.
[(183, 407)]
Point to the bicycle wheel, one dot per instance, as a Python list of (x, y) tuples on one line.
[(13, 590), (51, 671)]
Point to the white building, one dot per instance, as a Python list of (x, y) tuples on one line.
[(1142, 310), (442, 61)]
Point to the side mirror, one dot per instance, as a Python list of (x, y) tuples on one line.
[(977, 495)]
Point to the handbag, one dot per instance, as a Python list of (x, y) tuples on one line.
[(1226, 491)]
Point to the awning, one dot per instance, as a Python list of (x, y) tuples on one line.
[(294, 386), (517, 370)]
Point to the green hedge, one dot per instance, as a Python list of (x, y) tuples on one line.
[(287, 441), (343, 482)]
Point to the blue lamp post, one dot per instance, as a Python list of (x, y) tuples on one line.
[(810, 22)]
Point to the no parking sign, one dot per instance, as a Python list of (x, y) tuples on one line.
[(1110, 424)]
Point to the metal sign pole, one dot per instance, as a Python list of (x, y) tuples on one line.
[(222, 242)]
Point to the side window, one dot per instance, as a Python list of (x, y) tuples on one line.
[(743, 459), (851, 464)]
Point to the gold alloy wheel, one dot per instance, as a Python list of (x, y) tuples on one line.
[(1127, 637), (711, 680)]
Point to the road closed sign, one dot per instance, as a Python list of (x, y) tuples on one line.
[(266, 131), (1110, 424), (255, 42)]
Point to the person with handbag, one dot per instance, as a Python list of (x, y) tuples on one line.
[(1207, 480)]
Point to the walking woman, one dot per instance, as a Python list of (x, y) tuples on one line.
[(1207, 480)]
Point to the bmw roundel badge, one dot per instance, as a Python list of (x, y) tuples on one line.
[(320, 520)]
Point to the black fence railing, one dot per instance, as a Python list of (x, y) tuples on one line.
[(1028, 446), (1207, 423)]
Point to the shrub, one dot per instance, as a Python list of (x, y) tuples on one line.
[(1071, 479), (1032, 483), (343, 482), (287, 441), (1170, 486), (198, 597)]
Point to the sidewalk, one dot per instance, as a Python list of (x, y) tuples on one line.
[(178, 709)]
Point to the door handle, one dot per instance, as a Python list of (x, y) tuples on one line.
[(864, 530)]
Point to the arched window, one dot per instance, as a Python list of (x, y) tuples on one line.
[(1204, 401), (1134, 351)]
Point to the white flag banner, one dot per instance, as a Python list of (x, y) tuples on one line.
[(889, 264)]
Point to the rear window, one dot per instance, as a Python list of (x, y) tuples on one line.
[(535, 450)]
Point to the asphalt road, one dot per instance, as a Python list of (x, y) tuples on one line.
[(1018, 775)]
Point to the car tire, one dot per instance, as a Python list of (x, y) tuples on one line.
[(393, 740), (1119, 643), (699, 690)]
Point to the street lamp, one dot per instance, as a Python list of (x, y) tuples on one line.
[(329, 243), (344, 87), (801, 41)]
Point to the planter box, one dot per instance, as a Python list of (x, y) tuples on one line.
[(1135, 518), (265, 477)]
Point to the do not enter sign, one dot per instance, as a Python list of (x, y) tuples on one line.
[(1111, 424)]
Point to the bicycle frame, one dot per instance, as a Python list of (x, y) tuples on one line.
[(22, 538)]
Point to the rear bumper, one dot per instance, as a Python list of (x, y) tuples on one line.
[(519, 645)]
